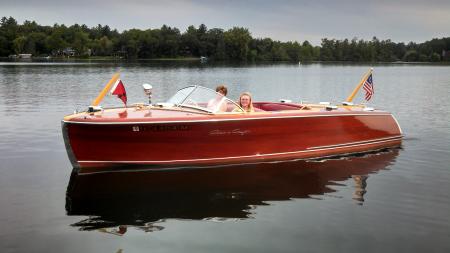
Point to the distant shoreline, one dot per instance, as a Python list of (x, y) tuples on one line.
[(102, 58), (211, 62)]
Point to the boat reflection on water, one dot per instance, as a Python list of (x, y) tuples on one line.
[(143, 199)]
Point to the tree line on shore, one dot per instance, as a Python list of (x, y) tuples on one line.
[(233, 44)]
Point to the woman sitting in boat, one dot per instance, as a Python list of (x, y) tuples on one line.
[(245, 101), (218, 101)]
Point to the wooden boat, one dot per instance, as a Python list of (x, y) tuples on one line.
[(188, 131)]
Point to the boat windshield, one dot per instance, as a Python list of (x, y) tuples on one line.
[(204, 99)]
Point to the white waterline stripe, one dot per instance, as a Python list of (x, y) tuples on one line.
[(181, 167), (218, 120), (237, 157), (193, 167), (356, 142)]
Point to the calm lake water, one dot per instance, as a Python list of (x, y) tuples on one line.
[(390, 201)]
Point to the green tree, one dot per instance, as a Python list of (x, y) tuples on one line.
[(423, 58), (37, 40), (55, 42), (263, 49), (411, 56), (8, 31), (435, 57), (236, 43), (80, 43), (19, 44), (102, 46), (327, 49), (215, 44), (306, 51), (190, 43), (4, 50), (278, 52), (129, 43), (148, 44), (168, 41), (293, 50)]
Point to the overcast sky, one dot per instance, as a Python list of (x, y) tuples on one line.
[(398, 20)]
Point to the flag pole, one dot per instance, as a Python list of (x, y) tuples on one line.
[(353, 94), (105, 90)]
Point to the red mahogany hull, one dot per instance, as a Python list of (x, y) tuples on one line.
[(184, 139)]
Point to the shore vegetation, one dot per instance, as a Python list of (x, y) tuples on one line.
[(236, 44)]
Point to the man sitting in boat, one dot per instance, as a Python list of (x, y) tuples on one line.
[(222, 89), (219, 99)]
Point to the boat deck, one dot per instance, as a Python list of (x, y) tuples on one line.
[(146, 113)]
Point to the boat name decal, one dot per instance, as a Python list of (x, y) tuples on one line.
[(229, 132), (160, 128)]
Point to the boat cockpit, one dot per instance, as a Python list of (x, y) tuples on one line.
[(210, 101), (204, 99)]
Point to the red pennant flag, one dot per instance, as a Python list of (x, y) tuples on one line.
[(119, 90)]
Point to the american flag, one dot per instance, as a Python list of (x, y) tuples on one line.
[(368, 87)]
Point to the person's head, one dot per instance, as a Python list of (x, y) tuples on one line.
[(222, 89), (245, 101)]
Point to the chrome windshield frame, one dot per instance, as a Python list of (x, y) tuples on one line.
[(195, 87)]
